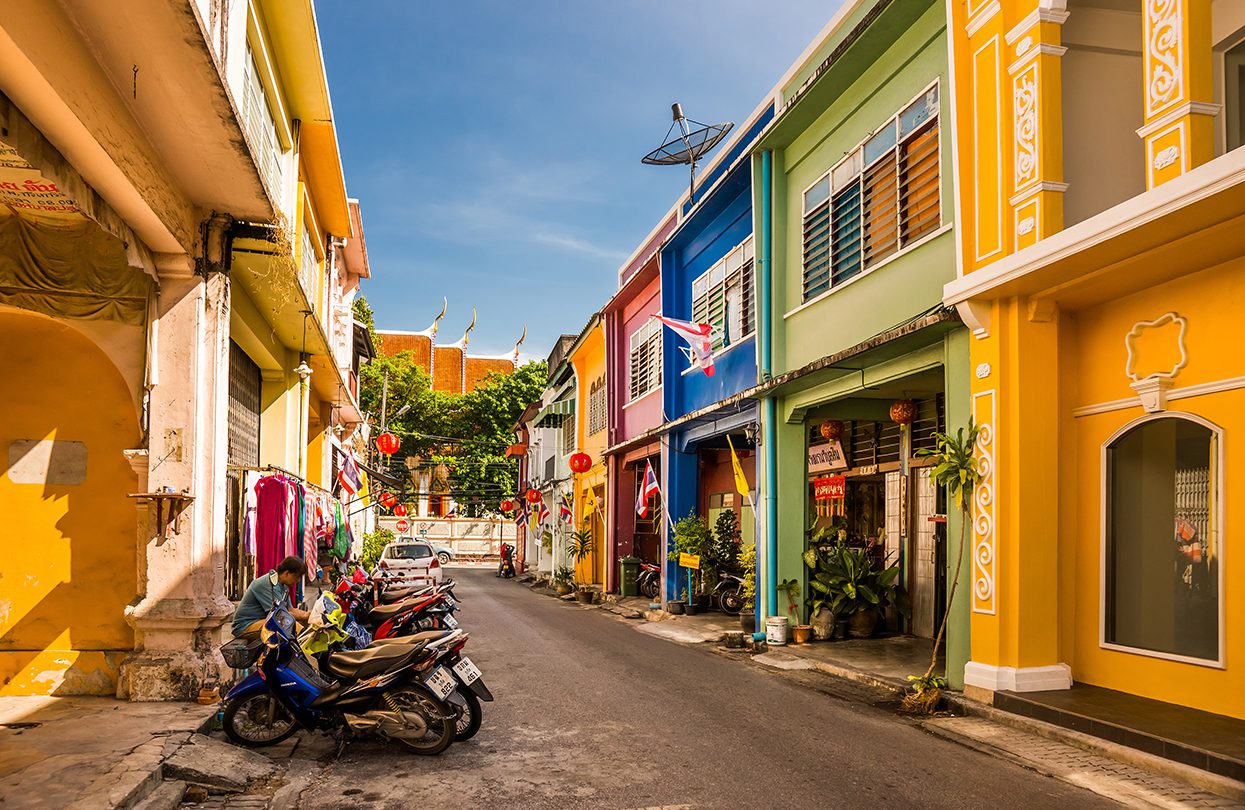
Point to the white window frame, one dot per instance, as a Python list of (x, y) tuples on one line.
[(650, 331), (1103, 505), (596, 406), (856, 153), (261, 124), (739, 260)]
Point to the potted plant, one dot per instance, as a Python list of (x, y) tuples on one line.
[(816, 559), (562, 578), (856, 588), (748, 562), (579, 549), (956, 469), (692, 536)]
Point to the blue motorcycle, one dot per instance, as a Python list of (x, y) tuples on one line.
[(395, 691)]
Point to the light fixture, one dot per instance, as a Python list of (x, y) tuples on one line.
[(303, 369)]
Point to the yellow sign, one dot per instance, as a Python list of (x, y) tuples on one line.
[(689, 561)]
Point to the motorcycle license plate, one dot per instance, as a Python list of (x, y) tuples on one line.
[(450, 621), (468, 671), (440, 682)]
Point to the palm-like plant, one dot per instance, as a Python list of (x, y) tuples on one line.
[(955, 469), (580, 547)]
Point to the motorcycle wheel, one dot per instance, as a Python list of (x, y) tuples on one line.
[(258, 720), (649, 588), (732, 603), (437, 717), (469, 718)]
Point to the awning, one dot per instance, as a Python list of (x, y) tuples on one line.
[(516, 449), (554, 413)]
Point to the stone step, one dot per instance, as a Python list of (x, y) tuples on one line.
[(166, 796)]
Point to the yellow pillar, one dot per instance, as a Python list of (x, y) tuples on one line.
[(1179, 94), (1013, 582)]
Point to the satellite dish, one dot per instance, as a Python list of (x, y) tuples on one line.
[(693, 141)]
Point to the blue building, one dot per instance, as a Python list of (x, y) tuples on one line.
[(708, 276)]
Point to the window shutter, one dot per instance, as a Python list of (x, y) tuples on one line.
[(847, 233), (919, 184), (881, 210), (817, 251)]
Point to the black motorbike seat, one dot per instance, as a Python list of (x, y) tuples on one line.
[(359, 664), (383, 613), (415, 638), (388, 597)]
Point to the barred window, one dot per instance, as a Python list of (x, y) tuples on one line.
[(596, 407), (724, 296), (882, 197), (260, 123), (645, 359), (567, 440)]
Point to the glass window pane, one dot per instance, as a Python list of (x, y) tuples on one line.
[(846, 171), (1163, 549), (817, 195), (880, 143), (920, 111)]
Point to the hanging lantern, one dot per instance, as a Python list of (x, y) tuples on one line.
[(903, 412), (507, 505), (533, 496), (387, 500), (831, 430), (400, 510), (387, 443), (581, 462)]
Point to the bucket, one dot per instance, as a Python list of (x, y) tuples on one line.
[(776, 630)]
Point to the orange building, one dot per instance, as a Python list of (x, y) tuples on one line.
[(451, 369)]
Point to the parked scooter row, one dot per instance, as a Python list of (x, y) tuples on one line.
[(728, 593), (374, 660)]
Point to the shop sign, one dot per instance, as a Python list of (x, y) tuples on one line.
[(829, 488), (825, 457), (689, 560)]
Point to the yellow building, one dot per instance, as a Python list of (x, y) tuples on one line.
[(1101, 187), (587, 357)]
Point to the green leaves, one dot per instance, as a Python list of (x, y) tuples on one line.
[(955, 465)]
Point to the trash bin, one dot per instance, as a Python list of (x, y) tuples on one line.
[(629, 576)]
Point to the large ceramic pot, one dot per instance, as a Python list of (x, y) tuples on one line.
[(862, 623), (748, 622), (823, 624), (585, 597), (801, 633), (675, 607), (564, 588)]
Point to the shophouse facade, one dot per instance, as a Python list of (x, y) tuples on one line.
[(1101, 274), (551, 439), (587, 359), (633, 357), (854, 212), (708, 276)]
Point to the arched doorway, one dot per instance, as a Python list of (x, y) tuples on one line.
[(68, 563)]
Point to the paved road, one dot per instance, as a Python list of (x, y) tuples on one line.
[(592, 714)]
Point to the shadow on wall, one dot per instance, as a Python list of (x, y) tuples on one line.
[(68, 552)]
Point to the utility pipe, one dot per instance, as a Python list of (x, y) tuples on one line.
[(768, 427)]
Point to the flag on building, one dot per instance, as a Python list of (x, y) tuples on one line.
[(590, 503), (741, 483), (647, 489), (544, 512), (520, 516), (699, 340), (564, 511), (453, 513), (349, 475)]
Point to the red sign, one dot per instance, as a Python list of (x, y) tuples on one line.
[(401, 526), (829, 488)]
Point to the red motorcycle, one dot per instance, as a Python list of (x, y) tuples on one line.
[(649, 580), (430, 608)]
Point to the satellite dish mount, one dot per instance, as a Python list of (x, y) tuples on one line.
[(692, 142)]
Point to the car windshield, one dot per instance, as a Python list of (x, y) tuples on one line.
[(414, 551)]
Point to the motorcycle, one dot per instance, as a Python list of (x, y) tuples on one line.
[(729, 593), (506, 568), (394, 691), (470, 686), (649, 580), (424, 609)]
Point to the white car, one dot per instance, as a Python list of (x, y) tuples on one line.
[(413, 563)]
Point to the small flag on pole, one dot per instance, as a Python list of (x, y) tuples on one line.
[(741, 483), (699, 340), (520, 516), (544, 512), (564, 511), (647, 490), (453, 511), (349, 476)]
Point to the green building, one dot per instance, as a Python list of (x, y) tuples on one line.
[(854, 207)]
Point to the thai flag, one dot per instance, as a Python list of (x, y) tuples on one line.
[(349, 476), (647, 490), (698, 337), (453, 511), (520, 516), (564, 512), (544, 512)]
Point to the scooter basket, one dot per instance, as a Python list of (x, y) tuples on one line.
[(240, 653)]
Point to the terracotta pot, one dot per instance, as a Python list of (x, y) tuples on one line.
[(564, 589), (801, 633), (674, 607), (862, 623), (585, 597)]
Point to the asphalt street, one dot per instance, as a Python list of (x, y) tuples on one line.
[(592, 714)]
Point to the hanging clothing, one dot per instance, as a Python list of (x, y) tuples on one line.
[(276, 521)]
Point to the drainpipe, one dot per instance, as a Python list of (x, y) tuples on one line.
[(768, 427)]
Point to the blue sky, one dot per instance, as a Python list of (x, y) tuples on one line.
[(495, 145)]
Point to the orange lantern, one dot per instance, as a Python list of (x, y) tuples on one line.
[(533, 496), (903, 412), (831, 430), (387, 500), (581, 463), (400, 510), (507, 505), (387, 443)]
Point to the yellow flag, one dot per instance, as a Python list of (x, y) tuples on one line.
[(590, 502), (741, 483)]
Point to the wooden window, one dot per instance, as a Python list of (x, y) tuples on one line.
[(596, 407), (724, 296), (645, 365)]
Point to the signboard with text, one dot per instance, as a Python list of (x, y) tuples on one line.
[(829, 488), (825, 457), (689, 561)]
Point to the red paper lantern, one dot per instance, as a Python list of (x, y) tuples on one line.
[(831, 430), (581, 463), (387, 443), (903, 412), (507, 505), (400, 510), (533, 496), (387, 500)]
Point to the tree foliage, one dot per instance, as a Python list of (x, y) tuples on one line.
[(463, 435)]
